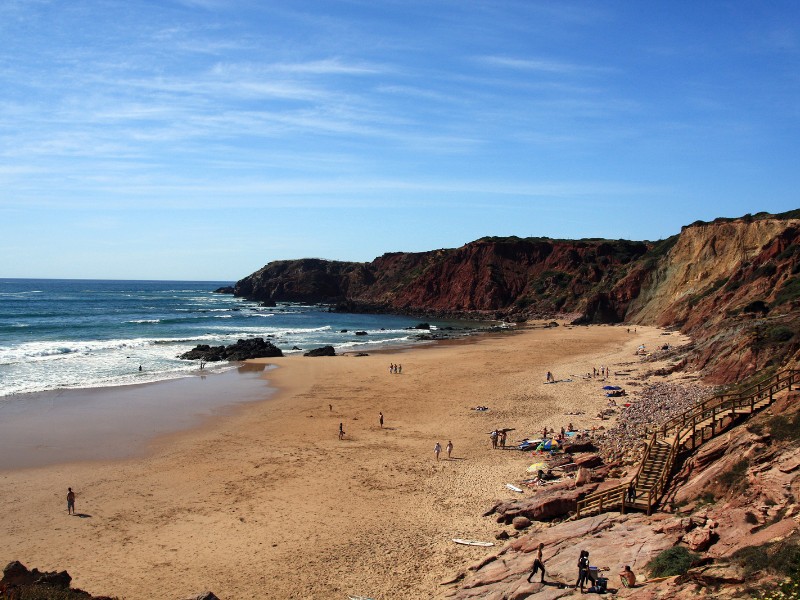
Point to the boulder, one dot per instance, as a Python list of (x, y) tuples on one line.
[(226, 289), (422, 326), (588, 461), (16, 573), (241, 350), (582, 446), (361, 333), (713, 575), (204, 596), (520, 523), (544, 506), (699, 539), (323, 351)]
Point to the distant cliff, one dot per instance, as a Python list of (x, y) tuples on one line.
[(732, 284)]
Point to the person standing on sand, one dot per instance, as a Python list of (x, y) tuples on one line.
[(381, 419), (399, 369), (449, 448), (70, 502), (341, 431), (538, 564), (436, 450)]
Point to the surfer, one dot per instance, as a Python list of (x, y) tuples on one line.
[(538, 564), (449, 448), (436, 450)]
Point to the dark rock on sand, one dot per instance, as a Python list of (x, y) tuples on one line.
[(204, 596), (241, 350), (324, 351)]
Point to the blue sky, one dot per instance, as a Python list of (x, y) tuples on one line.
[(201, 139)]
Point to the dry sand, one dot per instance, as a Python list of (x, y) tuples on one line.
[(268, 503)]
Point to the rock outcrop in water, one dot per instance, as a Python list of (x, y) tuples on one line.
[(733, 285), (241, 350)]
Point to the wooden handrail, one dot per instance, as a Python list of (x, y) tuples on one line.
[(679, 427)]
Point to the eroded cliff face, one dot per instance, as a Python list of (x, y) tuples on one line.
[(733, 285), (497, 277)]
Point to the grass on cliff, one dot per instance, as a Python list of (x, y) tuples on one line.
[(785, 428), (735, 479), (672, 561)]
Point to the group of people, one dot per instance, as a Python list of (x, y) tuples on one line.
[(395, 369), (498, 438), (585, 575), (437, 449)]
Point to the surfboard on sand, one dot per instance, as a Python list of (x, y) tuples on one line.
[(513, 488), (472, 542)]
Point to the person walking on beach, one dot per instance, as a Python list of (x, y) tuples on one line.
[(399, 369), (341, 431), (449, 448), (436, 450), (381, 419), (70, 502), (538, 564), (549, 377), (493, 435)]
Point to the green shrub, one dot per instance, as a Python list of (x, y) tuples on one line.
[(672, 561), (751, 558), (785, 428), (735, 479), (786, 560), (778, 334), (750, 518), (789, 291)]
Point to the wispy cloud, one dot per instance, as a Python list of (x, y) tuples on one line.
[(542, 65)]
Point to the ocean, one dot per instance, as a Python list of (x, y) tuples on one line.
[(61, 334)]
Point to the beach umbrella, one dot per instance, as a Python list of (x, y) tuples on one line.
[(536, 467)]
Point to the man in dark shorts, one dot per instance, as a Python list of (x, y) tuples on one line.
[(70, 502), (538, 564)]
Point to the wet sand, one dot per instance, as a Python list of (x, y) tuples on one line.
[(266, 502), (73, 425)]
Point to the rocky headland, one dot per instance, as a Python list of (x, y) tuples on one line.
[(731, 284)]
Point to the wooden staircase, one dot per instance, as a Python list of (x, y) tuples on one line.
[(685, 431)]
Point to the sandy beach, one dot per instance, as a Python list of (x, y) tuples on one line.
[(266, 502)]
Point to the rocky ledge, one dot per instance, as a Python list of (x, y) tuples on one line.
[(20, 583), (729, 527), (241, 350)]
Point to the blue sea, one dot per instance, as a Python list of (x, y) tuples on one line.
[(57, 334)]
